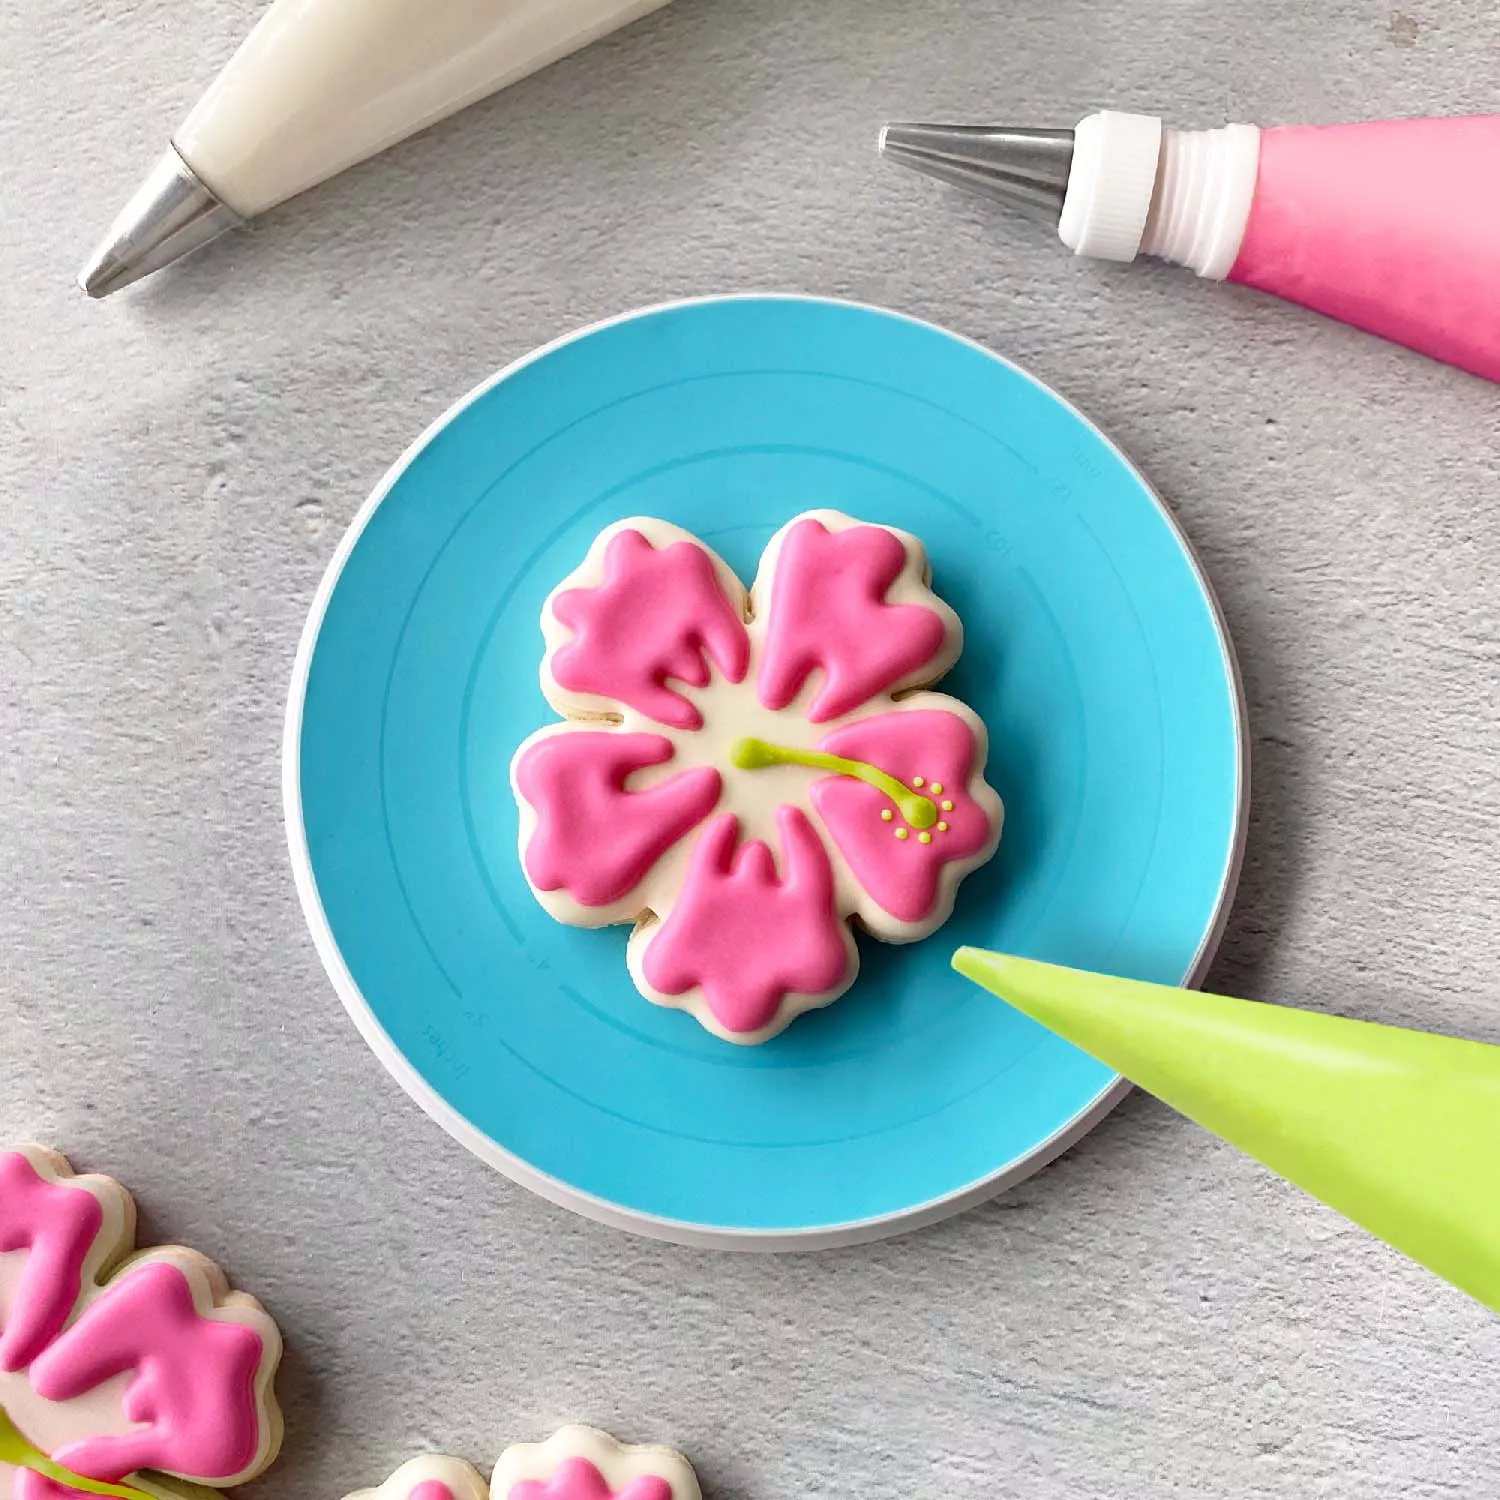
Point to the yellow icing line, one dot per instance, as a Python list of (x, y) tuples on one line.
[(20, 1454), (751, 754)]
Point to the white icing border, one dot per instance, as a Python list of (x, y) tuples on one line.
[(619, 1463), (463, 1479), (518, 1169)]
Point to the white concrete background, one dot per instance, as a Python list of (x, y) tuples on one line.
[(1154, 1316)]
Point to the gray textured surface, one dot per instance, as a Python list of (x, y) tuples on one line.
[(1153, 1316)]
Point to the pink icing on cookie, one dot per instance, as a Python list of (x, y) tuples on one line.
[(56, 1225), (828, 614), (578, 1479), (192, 1385), (658, 614), (431, 1489), (594, 838), (747, 936), (902, 874)]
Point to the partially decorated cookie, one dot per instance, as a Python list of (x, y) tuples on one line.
[(121, 1374), (746, 775), (575, 1463)]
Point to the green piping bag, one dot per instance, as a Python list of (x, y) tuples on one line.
[(1398, 1130)]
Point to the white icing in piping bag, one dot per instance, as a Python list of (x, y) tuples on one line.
[(319, 85)]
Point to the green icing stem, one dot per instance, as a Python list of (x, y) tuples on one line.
[(19, 1454), (750, 754)]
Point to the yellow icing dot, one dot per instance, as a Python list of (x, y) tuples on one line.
[(942, 828), (947, 805), (885, 814), (936, 787), (900, 833), (924, 837), (917, 780)]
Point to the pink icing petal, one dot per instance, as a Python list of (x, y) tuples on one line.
[(902, 875), (745, 936), (57, 1225), (431, 1489), (578, 1479), (594, 838), (659, 614), (828, 613), (192, 1383)]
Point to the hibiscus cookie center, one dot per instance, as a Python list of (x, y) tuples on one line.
[(751, 754), (744, 775)]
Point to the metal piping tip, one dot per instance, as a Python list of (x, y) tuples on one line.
[(1015, 164), (171, 214)]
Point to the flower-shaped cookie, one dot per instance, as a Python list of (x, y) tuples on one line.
[(575, 1463), (110, 1367), (745, 776)]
